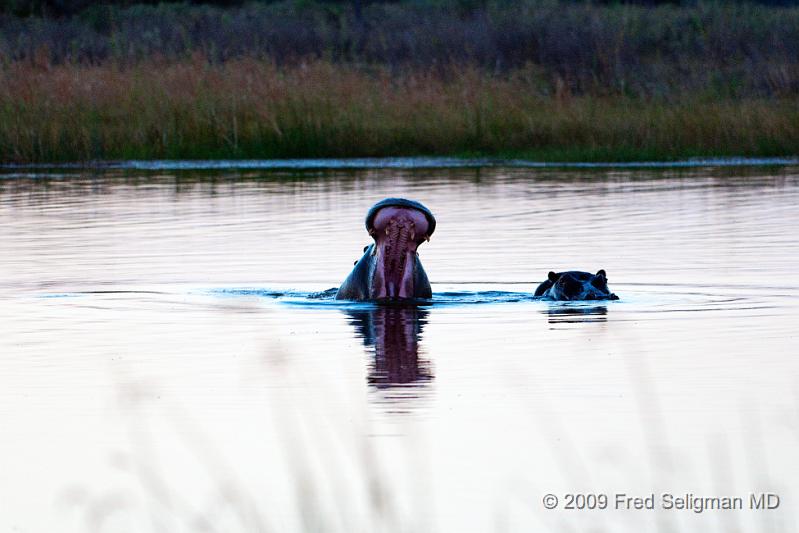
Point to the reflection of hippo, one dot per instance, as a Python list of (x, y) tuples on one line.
[(390, 267), (559, 314), (394, 334), (574, 285)]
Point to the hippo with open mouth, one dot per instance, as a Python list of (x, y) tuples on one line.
[(390, 268), (574, 286)]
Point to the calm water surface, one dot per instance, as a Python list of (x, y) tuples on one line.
[(169, 360)]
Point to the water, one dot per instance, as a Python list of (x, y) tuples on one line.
[(171, 358)]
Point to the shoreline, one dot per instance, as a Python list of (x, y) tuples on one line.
[(399, 163)]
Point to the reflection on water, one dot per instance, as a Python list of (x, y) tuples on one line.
[(559, 313), (393, 333), (172, 358)]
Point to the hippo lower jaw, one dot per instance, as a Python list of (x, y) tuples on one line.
[(393, 277)]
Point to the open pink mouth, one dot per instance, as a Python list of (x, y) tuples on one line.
[(397, 231)]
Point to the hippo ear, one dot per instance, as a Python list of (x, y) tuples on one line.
[(602, 273), (552, 277)]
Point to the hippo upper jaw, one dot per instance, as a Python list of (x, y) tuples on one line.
[(371, 216)]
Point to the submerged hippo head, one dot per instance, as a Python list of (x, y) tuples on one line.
[(574, 285), (390, 267)]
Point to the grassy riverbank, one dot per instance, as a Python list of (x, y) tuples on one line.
[(248, 108)]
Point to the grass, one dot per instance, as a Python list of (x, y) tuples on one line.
[(249, 108)]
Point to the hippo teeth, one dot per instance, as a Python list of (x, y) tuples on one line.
[(397, 253)]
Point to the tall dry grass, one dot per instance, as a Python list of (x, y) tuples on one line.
[(250, 108)]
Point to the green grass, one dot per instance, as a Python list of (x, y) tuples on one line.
[(247, 108)]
